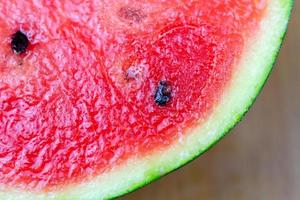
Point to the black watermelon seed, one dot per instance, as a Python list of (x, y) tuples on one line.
[(131, 14), (163, 93), (19, 42)]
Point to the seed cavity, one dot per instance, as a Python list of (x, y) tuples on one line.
[(131, 15), (163, 93), (19, 42)]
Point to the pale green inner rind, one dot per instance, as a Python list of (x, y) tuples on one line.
[(253, 69)]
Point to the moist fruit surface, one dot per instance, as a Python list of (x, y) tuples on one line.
[(103, 81)]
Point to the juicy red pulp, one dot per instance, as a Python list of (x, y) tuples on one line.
[(82, 98)]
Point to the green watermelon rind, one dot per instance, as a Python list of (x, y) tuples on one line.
[(288, 4), (139, 172)]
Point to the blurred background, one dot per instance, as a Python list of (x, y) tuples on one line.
[(260, 159)]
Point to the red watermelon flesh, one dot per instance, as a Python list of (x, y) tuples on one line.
[(81, 99)]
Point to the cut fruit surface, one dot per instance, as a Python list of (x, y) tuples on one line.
[(98, 98)]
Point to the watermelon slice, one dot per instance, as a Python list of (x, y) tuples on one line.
[(98, 98)]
